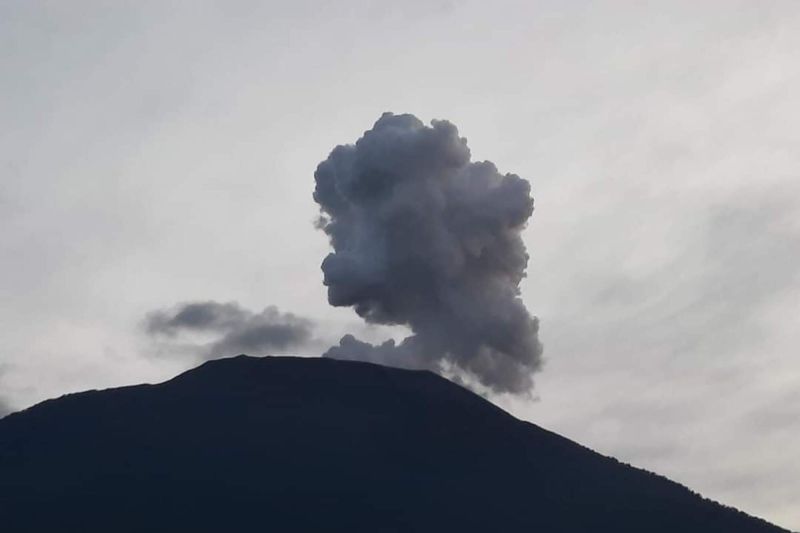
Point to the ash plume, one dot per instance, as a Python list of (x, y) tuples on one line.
[(234, 329), (424, 237)]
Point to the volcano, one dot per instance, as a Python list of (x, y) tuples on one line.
[(289, 444)]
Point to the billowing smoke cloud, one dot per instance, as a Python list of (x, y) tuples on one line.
[(426, 238), (234, 330)]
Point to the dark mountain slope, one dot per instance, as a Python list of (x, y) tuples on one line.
[(292, 444)]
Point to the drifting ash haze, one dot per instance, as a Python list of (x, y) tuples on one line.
[(426, 238), (235, 329)]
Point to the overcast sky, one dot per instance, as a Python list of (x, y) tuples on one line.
[(154, 153)]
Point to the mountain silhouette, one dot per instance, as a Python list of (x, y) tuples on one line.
[(281, 444)]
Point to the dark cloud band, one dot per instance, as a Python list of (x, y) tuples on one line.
[(235, 329)]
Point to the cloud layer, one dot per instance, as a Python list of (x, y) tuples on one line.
[(425, 238), (234, 330)]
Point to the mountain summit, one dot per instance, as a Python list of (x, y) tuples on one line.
[(319, 445)]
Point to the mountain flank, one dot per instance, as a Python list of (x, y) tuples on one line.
[(319, 445)]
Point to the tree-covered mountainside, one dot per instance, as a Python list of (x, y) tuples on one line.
[(297, 444)]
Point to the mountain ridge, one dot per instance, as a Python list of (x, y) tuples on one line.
[(244, 441)]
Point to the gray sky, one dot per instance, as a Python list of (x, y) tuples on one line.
[(162, 152)]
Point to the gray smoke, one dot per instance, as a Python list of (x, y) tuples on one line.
[(424, 237), (235, 329)]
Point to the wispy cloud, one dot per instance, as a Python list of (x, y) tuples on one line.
[(232, 329)]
